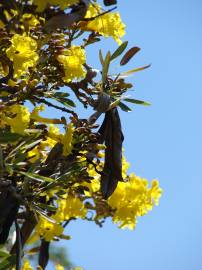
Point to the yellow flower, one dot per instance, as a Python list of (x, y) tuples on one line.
[(47, 229), (41, 150), (17, 117), (59, 267), (108, 25), (70, 207), (26, 265), (73, 60), (30, 20), (132, 199), (35, 116), (67, 140), (23, 54), (41, 5)]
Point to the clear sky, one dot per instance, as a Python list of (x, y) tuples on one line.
[(162, 141)]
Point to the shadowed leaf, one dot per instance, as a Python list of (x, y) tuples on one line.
[(129, 55)]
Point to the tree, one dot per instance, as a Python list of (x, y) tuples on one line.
[(55, 170)]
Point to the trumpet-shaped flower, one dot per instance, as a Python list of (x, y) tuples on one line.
[(70, 207), (26, 265), (17, 117), (47, 229), (23, 54), (108, 25), (132, 199), (73, 60)]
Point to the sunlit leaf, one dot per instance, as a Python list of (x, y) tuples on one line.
[(37, 177), (136, 101), (120, 50), (106, 67), (126, 73)]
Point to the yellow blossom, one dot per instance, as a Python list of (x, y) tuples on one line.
[(41, 5), (108, 25), (59, 267), (47, 229), (23, 54), (41, 150), (17, 117), (70, 207), (67, 140), (30, 20), (35, 116), (26, 265), (73, 60), (132, 199)]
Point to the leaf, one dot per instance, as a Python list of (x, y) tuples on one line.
[(37, 177), (65, 101), (8, 262), (32, 145), (4, 253), (119, 51), (66, 20), (47, 207), (8, 137), (110, 2), (106, 67), (136, 101), (129, 55), (61, 95), (124, 107), (134, 70), (1, 160), (65, 237), (101, 58)]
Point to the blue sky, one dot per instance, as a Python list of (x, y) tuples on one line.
[(162, 141)]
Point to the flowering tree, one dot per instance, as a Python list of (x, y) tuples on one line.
[(57, 169)]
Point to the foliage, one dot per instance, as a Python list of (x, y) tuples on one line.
[(55, 170)]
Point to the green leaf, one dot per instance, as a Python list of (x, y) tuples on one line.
[(61, 95), (37, 177), (4, 253), (65, 101), (47, 207), (8, 137), (119, 51), (32, 145), (124, 107), (134, 70), (8, 262), (106, 67), (65, 237), (136, 101), (129, 55), (1, 160), (101, 58)]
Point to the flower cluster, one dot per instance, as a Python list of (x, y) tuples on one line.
[(108, 25), (23, 54), (54, 162), (73, 60)]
